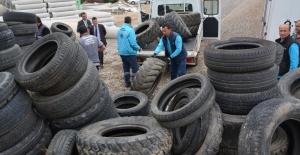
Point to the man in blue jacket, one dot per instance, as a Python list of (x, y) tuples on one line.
[(128, 47), (174, 49)]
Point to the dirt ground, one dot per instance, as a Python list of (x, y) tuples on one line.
[(112, 73)]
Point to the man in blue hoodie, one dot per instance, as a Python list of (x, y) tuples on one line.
[(128, 47)]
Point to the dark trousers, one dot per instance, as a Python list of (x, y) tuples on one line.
[(100, 53), (177, 68), (129, 62)]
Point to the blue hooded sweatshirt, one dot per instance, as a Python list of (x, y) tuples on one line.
[(127, 44)]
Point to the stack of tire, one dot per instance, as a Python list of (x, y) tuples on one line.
[(22, 131), (23, 26), (187, 107), (244, 74), (65, 85), (9, 51)]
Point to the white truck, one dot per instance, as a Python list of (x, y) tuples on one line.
[(209, 28), (277, 12)]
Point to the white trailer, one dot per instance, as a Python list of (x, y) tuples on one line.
[(209, 28), (276, 12)]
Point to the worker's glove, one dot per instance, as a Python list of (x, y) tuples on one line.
[(140, 50), (154, 55)]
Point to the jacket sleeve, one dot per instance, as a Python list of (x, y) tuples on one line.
[(294, 56), (178, 44), (159, 47), (132, 40)]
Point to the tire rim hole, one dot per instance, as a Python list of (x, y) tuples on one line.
[(238, 47), (141, 29), (124, 132), (126, 102), (61, 27)]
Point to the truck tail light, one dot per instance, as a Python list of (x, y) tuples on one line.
[(190, 60), (140, 59)]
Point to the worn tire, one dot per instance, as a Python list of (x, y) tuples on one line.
[(61, 27), (23, 29), (63, 143), (160, 20), (178, 25), (124, 135), (257, 131), (250, 82), (194, 30), (8, 88), (280, 142), (241, 104), (148, 76), (240, 55), (288, 85), (10, 57), (19, 17), (131, 103), (191, 111), (26, 39), (48, 62), (3, 26), (190, 18), (147, 32), (7, 39)]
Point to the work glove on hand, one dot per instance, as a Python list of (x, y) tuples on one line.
[(140, 50)]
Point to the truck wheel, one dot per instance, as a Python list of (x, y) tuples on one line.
[(61, 27), (134, 135), (240, 55), (63, 143), (190, 18), (256, 132), (148, 76), (178, 25), (147, 32), (289, 84)]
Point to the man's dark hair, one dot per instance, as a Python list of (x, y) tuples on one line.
[(165, 25), (82, 29), (82, 13), (94, 18), (127, 20), (38, 19)]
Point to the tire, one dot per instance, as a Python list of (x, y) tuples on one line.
[(3, 26), (61, 27), (39, 71), (178, 25), (190, 18), (39, 148), (257, 131), (125, 135), (288, 85), (160, 20), (10, 23), (279, 145), (19, 17), (147, 32), (71, 100), (7, 39), (63, 143), (240, 55), (242, 104), (148, 76), (25, 40), (244, 82), (191, 111), (194, 30), (213, 137), (279, 53), (10, 57), (131, 103), (8, 88), (23, 29)]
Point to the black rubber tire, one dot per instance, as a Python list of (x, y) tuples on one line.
[(289, 85), (190, 18), (240, 55), (279, 53), (213, 138), (160, 20), (7, 39), (131, 103), (71, 100), (147, 32), (194, 30), (241, 104), (10, 57), (61, 27), (178, 25), (257, 131), (47, 62), (250, 82), (10, 23), (191, 111), (23, 29), (40, 147), (124, 135), (3, 26), (8, 88), (148, 76), (19, 17), (26, 39), (63, 143)]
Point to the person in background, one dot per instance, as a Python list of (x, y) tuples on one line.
[(128, 47), (290, 58), (99, 31), (174, 49), (91, 45), (42, 29), (296, 36), (86, 22)]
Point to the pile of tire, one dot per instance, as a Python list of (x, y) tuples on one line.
[(65, 85), (244, 73), (22, 131), (23, 26), (9, 51), (186, 106)]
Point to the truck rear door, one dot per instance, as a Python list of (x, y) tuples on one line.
[(211, 10)]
